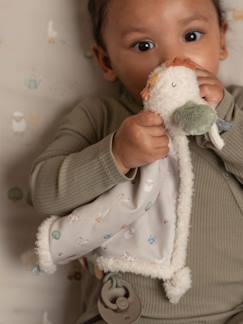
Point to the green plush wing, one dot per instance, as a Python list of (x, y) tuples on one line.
[(195, 119)]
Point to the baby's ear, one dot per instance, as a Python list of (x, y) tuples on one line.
[(104, 63)]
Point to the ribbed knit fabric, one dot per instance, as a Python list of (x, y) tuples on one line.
[(214, 256), (62, 178), (71, 171)]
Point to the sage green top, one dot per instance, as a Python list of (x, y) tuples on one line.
[(78, 166)]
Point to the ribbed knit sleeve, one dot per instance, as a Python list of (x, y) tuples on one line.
[(78, 165), (231, 110)]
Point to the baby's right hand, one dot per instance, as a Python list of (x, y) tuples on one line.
[(140, 140)]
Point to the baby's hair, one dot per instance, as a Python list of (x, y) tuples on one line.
[(220, 11), (98, 10)]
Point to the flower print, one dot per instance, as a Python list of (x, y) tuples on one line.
[(56, 235), (19, 124), (74, 217), (122, 198), (149, 185), (129, 233), (148, 206), (52, 34), (152, 239), (108, 236), (101, 215), (81, 241), (124, 227), (127, 256), (32, 83), (98, 220)]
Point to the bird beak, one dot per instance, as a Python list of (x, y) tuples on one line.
[(145, 93)]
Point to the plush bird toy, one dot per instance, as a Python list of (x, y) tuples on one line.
[(172, 91)]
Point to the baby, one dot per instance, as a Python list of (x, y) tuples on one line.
[(104, 141)]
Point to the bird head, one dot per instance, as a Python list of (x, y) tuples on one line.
[(170, 86)]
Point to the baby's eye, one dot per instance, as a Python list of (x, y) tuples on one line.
[(144, 46), (193, 36)]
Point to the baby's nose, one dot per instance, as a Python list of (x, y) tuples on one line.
[(172, 52)]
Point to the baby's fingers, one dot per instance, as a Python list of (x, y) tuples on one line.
[(148, 118), (156, 131), (162, 152), (161, 142), (208, 80), (204, 73)]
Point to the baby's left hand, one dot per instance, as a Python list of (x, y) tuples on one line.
[(211, 89)]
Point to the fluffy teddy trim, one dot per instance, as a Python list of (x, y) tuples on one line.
[(46, 263)]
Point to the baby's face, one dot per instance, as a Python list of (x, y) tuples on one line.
[(141, 34)]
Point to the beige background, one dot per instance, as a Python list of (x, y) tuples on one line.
[(44, 70)]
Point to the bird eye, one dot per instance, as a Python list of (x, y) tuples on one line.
[(173, 84)]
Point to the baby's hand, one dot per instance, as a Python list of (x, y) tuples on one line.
[(211, 89), (140, 140)]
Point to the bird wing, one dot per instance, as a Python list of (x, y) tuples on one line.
[(194, 119)]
